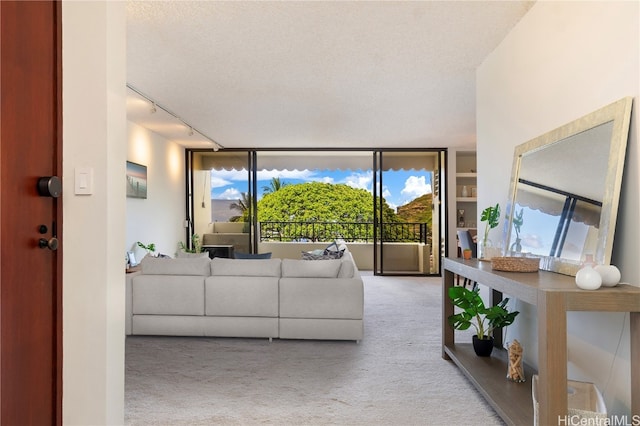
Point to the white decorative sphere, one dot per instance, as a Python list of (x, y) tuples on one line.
[(610, 275), (588, 279)]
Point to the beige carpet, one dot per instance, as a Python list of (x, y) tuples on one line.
[(395, 376)]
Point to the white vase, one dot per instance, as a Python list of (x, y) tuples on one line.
[(588, 278), (485, 250), (610, 275), (465, 191)]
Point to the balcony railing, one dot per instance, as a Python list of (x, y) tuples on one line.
[(347, 231)]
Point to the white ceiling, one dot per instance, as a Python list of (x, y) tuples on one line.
[(354, 74)]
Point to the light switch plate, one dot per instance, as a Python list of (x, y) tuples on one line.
[(84, 181)]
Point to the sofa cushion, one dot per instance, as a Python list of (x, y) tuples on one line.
[(310, 268), (347, 268), (245, 267), (235, 296), (168, 295), (186, 266), (321, 298)]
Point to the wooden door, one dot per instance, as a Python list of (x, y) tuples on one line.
[(30, 275)]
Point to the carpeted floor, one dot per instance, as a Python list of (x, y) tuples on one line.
[(395, 376)]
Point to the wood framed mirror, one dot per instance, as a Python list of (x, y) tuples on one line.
[(565, 188)]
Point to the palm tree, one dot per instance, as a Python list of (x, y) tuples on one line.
[(242, 205), (274, 185)]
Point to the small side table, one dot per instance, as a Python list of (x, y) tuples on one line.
[(219, 251)]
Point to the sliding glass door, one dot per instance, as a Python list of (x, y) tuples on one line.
[(382, 204), (407, 216), (220, 207)]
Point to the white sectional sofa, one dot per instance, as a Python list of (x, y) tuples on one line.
[(270, 298)]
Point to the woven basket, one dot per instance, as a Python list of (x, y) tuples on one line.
[(515, 264)]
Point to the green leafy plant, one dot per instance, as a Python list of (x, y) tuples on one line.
[(475, 313), (150, 248), (197, 246), (491, 215), (517, 221)]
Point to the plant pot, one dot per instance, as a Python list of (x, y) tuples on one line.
[(483, 347)]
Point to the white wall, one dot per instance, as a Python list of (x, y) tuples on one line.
[(562, 61), (94, 135), (159, 218)]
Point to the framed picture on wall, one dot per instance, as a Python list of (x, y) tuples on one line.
[(136, 180)]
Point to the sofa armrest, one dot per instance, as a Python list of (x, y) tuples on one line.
[(129, 301)]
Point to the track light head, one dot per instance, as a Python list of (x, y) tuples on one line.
[(154, 109)]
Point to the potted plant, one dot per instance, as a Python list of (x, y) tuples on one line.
[(484, 319), (150, 248), (491, 215), (197, 247)]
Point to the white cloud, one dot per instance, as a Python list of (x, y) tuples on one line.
[(229, 175), (532, 240), (416, 186), (242, 175), (323, 179), (230, 194), (284, 174), (386, 193), (218, 182), (359, 180)]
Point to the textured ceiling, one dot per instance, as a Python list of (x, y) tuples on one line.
[(314, 74)]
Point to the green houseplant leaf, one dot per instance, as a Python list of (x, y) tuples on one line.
[(491, 215), (474, 312), (151, 247), (197, 246)]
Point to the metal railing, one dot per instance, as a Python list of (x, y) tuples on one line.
[(348, 231)]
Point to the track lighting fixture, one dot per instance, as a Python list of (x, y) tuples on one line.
[(192, 130)]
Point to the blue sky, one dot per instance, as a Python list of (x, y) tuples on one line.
[(400, 186)]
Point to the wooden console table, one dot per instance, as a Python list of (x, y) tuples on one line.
[(553, 295)]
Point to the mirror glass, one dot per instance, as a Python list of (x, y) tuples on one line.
[(565, 188)]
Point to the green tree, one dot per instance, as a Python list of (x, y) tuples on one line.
[(275, 185), (321, 202), (243, 206)]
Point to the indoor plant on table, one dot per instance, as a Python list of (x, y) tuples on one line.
[(483, 319), (491, 215), (150, 248)]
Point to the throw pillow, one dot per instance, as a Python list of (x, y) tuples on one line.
[(312, 255), (332, 247), (333, 251), (239, 255), (292, 268)]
